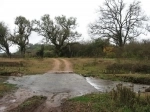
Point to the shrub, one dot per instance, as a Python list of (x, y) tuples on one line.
[(123, 95), (127, 99)]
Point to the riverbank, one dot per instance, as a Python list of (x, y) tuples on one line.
[(120, 100)]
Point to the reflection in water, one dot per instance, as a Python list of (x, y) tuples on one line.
[(107, 85)]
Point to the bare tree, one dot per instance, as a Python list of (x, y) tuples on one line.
[(119, 22), (22, 33), (59, 32), (4, 39)]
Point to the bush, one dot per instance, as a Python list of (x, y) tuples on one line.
[(128, 100), (123, 96), (49, 54), (139, 50)]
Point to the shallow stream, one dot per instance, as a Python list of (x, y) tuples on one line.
[(107, 85), (58, 87)]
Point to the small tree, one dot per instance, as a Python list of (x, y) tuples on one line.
[(59, 32), (119, 23), (4, 38), (21, 33), (40, 53)]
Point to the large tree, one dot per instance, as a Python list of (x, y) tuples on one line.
[(4, 38), (119, 22), (59, 32), (21, 33)]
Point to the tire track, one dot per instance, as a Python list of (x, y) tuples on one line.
[(68, 66), (61, 66), (56, 66)]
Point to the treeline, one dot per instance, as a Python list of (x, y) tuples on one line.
[(140, 50), (103, 49), (96, 48)]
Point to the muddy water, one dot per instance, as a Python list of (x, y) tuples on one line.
[(107, 85), (57, 87)]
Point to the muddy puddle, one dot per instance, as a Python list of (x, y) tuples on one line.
[(57, 88), (107, 85)]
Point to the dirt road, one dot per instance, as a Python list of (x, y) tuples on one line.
[(61, 65), (58, 84)]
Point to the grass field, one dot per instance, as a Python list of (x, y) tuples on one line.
[(25, 66), (96, 67)]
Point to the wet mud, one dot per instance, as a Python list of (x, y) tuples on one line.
[(57, 88)]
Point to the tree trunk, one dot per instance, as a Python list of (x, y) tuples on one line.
[(8, 52), (22, 51)]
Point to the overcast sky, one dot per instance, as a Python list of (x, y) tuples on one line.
[(83, 10)]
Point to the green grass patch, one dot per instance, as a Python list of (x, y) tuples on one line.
[(30, 105), (5, 87), (120, 100)]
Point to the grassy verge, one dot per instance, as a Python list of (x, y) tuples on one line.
[(5, 87), (120, 100), (97, 67), (24, 66), (38, 66), (30, 105)]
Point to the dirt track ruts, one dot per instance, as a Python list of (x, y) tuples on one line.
[(58, 63)]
